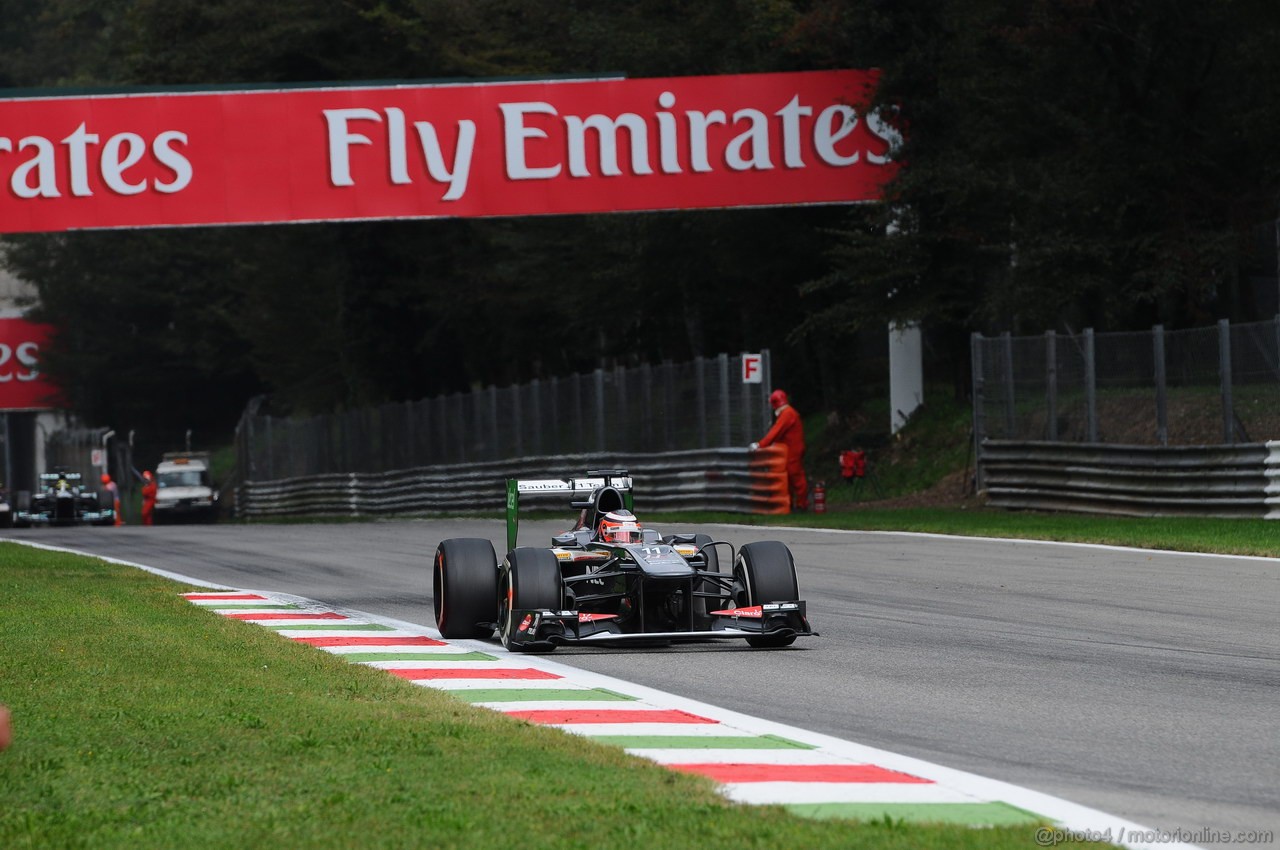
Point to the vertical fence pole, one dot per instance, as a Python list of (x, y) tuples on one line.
[(517, 419), (646, 421), (668, 403), (1162, 396), (1051, 384), (766, 387), (535, 413), (723, 362), (624, 416), (699, 366), (579, 407), (1091, 385), (600, 445), (496, 451), (1224, 377), (271, 451), (553, 406), (1010, 414), (745, 389), (979, 416)]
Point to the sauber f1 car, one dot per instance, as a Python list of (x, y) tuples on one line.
[(62, 500), (609, 580)]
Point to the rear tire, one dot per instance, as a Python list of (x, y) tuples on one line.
[(531, 580), (464, 588), (765, 572)]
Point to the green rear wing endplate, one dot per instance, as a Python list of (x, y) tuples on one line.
[(578, 488)]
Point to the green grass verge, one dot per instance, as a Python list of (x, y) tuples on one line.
[(141, 721), (1182, 534)]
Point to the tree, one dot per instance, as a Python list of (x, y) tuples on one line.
[(1068, 164)]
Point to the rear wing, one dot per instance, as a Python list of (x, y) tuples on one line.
[(580, 489)]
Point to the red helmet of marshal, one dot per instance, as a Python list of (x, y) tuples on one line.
[(777, 398)]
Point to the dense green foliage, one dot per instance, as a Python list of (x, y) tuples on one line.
[(1069, 164)]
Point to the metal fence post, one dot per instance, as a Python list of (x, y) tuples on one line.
[(535, 402), (579, 435), (699, 365), (271, 451), (1010, 415), (979, 419), (492, 394), (1051, 384), (1091, 385), (748, 428), (1224, 377), (646, 421), (766, 386), (1162, 396), (600, 410), (723, 362)]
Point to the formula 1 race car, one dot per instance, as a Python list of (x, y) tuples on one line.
[(62, 500), (610, 580)]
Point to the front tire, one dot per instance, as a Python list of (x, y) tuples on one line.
[(464, 588), (531, 580), (706, 604), (765, 572)]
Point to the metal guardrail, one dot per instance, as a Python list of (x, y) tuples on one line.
[(1222, 481), (734, 480)]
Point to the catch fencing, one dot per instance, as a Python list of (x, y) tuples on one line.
[(732, 480), (670, 407), (1202, 386), (1139, 423)]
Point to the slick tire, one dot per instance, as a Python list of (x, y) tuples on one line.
[(766, 572), (464, 588), (531, 580)]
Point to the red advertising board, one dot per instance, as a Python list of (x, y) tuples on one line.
[(22, 387), (163, 159)]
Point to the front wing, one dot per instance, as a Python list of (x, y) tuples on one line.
[(101, 517), (547, 628)]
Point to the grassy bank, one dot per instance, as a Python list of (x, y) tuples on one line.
[(141, 722)]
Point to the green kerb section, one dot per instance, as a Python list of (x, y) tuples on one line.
[(417, 656), (250, 605), (701, 742), (341, 627), (971, 814), (539, 695)]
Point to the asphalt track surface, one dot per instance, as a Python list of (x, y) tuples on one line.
[(1145, 684)]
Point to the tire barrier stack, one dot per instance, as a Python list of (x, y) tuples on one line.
[(1217, 481), (732, 480)]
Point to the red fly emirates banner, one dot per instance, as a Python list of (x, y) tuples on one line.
[(161, 159), (22, 387)]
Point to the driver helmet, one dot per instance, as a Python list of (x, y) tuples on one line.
[(620, 526)]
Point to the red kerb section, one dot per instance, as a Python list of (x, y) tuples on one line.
[(848, 773)]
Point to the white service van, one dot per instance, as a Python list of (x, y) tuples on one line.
[(184, 489)]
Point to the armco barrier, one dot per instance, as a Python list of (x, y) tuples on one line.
[(731, 479), (1223, 481)]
